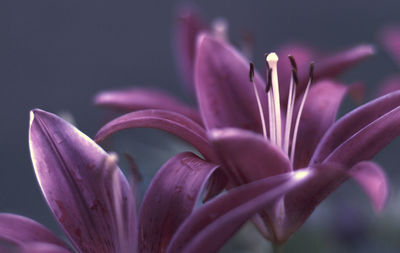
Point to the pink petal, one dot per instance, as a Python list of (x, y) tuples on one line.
[(371, 177), (247, 156), (43, 248), (188, 26), (209, 227), (225, 95), (23, 230), (353, 122), (390, 38), (134, 99), (318, 115), (170, 122), (82, 185), (170, 199)]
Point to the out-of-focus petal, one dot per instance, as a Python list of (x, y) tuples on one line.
[(247, 156), (24, 230), (188, 27), (353, 122), (134, 99), (170, 122), (42, 248), (209, 227), (318, 115), (170, 199), (77, 179), (389, 85), (371, 177), (224, 92), (367, 142), (390, 38)]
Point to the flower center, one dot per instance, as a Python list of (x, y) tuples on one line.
[(275, 132)]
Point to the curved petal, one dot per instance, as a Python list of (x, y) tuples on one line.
[(188, 26), (335, 64), (390, 38), (170, 199), (318, 115), (209, 227), (84, 188), (247, 156), (225, 95), (42, 248), (24, 230), (170, 122), (367, 142), (134, 99), (371, 177), (353, 122)]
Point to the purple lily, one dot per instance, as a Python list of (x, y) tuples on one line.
[(254, 135), (94, 203)]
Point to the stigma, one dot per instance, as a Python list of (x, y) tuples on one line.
[(283, 137)]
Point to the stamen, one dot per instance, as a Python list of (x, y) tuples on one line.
[(289, 109), (271, 114), (296, 128), (272, 60), (260, 109)]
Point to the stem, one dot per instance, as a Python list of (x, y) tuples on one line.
[(277, 248)]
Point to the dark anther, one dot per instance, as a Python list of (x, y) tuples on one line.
[(251, 72), (295, 77), (311, 73), (292, 62)]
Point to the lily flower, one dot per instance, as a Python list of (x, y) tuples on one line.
[(95, 204), (252, 135)]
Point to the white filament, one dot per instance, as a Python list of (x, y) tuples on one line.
[(260, 109), (289, 110), (272, 60)]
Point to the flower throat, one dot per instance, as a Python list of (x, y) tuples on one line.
[(275, 132)]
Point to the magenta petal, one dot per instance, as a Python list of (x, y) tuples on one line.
[(134, 99), (371, 177), (353, 122), (170, 122), (24, 230), (188, 27), (391, 40), (209, 227), (224, 92), (170, 199), (318, 115), (367, 142), (247, 156), (84, 188)]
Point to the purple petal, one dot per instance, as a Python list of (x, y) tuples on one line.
[(353, 122), (43, 248), (23, 230), (389, 85), (134, 99), (318, 115), (336, 64), (84, 188), (371, 177), (170, 199), (225, 95), (170, 122), (301, 203), (390, 38), (367, 142), (247, 156), (209, 227), (188, 27)]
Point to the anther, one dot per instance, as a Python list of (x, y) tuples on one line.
[(293, 62), (251, 72), (311, 72), (295, 77), (269, 80)]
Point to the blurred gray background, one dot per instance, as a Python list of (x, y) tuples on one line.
[(56, 55)]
